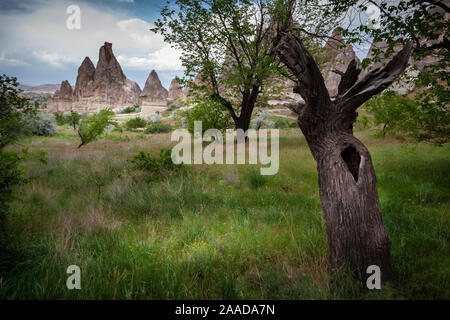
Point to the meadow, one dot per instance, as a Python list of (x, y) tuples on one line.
[(213, 231)]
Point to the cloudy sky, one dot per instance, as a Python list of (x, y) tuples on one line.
[(37, 47)]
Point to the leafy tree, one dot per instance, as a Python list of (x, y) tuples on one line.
[(92, 126), (212, 114), (73, 119), (13, 108), (228, 44)]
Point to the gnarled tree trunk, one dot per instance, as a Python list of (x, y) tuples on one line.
[(347, 182)]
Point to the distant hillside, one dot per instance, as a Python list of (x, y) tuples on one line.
[(43, 88)]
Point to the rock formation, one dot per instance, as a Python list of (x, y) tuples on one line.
[(153, 90), (106, 86), (85, 80), (62, 99), (175, 89)]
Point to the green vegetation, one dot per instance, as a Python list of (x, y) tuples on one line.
[(135, 123), (132, 109), (213, 231), (400, 117), (212, 115), (158, 127), (41, 124), (91, 127)]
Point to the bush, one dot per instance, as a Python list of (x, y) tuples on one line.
[(155, 117), (60, 119), (155, 166), (158, 127), (261, 120), (401, 117), (132, 109), (212, 115), (42, 124), (135, 123)]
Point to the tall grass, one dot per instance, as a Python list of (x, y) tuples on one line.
[(213, 232)]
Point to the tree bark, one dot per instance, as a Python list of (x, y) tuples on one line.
[(356, 235)]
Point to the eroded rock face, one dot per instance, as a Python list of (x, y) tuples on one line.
[(339, 59), (153, 89), (62, 99), (85, 80), (106, 86), (175, 90)]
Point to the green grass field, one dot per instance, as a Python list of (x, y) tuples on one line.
[(214, 232)]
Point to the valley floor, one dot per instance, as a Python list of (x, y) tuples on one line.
[(213, 232)]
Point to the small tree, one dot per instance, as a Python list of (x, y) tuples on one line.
[(91, 127), (13, 108)]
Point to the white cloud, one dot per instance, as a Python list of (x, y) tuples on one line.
[(164, 59), (11, 62), (42, 37), (54, 59)]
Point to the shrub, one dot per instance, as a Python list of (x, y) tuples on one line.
[(212, 115), (60, 119), (155, 166), (158, 127), (261, 120), (401, 117), (135, 123), (132, 109), (293, 124), (156, 117), (284, 123), (42, 124)]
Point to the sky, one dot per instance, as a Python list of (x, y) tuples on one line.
[(37, 47)]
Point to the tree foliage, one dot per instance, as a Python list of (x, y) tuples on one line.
[(212, 114), (92, 126), (13, 108)]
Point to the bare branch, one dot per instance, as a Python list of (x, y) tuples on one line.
[(375, 81), (349, 78), (310, 83)]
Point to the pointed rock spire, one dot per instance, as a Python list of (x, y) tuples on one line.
[(153, 89), (175, 89)]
